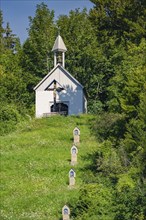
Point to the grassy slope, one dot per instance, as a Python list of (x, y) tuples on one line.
[(35, 163)]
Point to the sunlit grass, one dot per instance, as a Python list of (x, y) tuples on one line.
[(35, 162)]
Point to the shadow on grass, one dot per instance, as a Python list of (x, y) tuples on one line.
[(95, 161), (92, 169)]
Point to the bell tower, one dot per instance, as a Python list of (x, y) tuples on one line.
[(59, 50)]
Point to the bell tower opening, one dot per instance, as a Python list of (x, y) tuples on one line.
[(59, 50)]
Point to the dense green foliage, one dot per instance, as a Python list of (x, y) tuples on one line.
[(107, 54)]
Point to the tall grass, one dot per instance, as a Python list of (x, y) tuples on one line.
[(35, 162)]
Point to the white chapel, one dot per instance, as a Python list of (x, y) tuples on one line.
[(59, 92)]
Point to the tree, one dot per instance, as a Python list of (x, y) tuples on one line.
[(128, 83), (123, 19), (36, 59), (1, 33), (84, 58), (117, 24), (14, 96), (13, 88)]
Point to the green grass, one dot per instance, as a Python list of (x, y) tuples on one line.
[(35, 161)]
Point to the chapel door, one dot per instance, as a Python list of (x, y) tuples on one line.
[(61, 108)]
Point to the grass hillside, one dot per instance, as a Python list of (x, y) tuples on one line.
[(35, 162)]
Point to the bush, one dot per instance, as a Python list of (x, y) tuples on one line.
[(95, 107), (109, 125), (9, 117)]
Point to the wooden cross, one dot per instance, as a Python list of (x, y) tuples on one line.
[(55, 89)]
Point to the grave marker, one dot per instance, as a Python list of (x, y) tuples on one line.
[(74, 152), (66, 213), (72, 176), (76, 135)]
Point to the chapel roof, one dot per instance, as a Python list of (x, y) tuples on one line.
[(51, 72)]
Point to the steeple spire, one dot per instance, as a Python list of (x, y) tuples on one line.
[(58, 49)]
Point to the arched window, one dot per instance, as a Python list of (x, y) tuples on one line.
[(74, 150), (65, 211), (71, 173), (76, 132)]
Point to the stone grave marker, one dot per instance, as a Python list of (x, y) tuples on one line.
[(76, 135), (74, 152), (72, 176), (66, 212)]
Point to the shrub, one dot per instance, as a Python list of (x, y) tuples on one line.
[(9, 117), (109, 125)]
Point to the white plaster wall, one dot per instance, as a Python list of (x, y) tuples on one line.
[(42, 102), (72, 95), (74, 100)]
